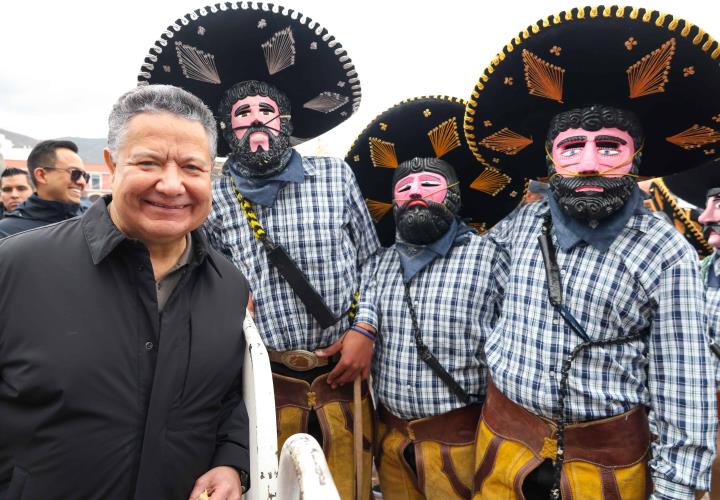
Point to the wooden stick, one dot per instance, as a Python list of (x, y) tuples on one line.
[(358, 434)]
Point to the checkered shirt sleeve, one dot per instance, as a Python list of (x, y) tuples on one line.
[(646, 281), (324, 225), (457, 302)]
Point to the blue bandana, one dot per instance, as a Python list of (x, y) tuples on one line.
[(571, 231), (414, 258), (265, 191)]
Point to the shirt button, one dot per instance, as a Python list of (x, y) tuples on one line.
[(563, 271), (556, 321), (149, 346), (140, 268), (551, 373)]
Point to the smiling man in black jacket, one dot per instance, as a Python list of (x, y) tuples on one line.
[(59, 178), (121, 340)]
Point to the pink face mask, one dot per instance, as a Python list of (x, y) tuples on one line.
[(420, 188), (711, 215), (255, 110), (606, 152)]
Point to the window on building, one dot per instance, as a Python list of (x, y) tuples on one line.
[(95, 181)]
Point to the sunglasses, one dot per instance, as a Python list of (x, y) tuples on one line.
[(75, 173)]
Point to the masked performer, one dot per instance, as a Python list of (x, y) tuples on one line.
[(436, 297), (296, 226), (701, 187), (601, 334)]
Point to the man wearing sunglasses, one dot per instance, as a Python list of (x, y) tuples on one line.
[(59, 178)]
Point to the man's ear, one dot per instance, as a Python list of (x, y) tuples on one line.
[(39, 174), (109, 162)]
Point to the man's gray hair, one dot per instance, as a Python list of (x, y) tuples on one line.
[(157, 99)]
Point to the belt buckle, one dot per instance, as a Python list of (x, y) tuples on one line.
[(299, 360)]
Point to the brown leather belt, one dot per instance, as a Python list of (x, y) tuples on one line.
[(617, 441), (298, 360), (455, 427)]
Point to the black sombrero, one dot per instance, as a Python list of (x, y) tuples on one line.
[(685, 220), (693, 185), (210, 49), (428, 127), (663, 68)]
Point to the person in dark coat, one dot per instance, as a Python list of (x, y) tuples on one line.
[(59, 178), (15, 187), (121, 342)]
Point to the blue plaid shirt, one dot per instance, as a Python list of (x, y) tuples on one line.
[(712, 304), (457, 301), (324, 226), (647, 280)]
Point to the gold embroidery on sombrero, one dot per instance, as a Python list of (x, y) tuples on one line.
[(326, 102), (491, 181), (480, 227), (382, 153), (543, 79), (279, 51), (445, 137), (696, 136), (196, 64), (650, 74), (377, 209), (506, 141)]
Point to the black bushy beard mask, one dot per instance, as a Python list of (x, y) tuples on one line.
[(261, 163), (591, 205), (422, 225)]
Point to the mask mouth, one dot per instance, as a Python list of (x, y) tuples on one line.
[(712, 227)]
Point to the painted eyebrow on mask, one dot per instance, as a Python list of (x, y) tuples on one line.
[(610, 138), (575, 138), (242, 108)]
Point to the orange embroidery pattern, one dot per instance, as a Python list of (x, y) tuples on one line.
[(630, 43), (444, 137), (696, 136), (491, 181), (506, 141), (649, 74), (377, 209), (543, 79), (382, 153)]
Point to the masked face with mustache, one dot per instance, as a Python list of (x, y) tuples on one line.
[(592, 162), (257, 129), (710, 218), (426, 199)]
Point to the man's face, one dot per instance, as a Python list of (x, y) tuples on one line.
[(61, 182), (591, 167), (258, 116), (710, 218), (606, 152), (161, 178), (418, 189), (14, 189)]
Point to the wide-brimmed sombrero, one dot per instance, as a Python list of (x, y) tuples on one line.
[(663, 68), (209, 50), (684, 219), (428, 127), (693, 185)]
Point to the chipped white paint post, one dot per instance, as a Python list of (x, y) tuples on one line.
[(260, 402), (304, 474)]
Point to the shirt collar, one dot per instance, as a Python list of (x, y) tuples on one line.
[(571, 231), (713, 272), (414, 258), (103, 237)]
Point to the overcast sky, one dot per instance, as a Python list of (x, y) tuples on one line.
[(63, 63)]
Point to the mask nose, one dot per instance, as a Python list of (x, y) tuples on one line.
[(589, 161)]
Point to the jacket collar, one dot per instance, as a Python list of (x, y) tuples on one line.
[(102, 235)]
